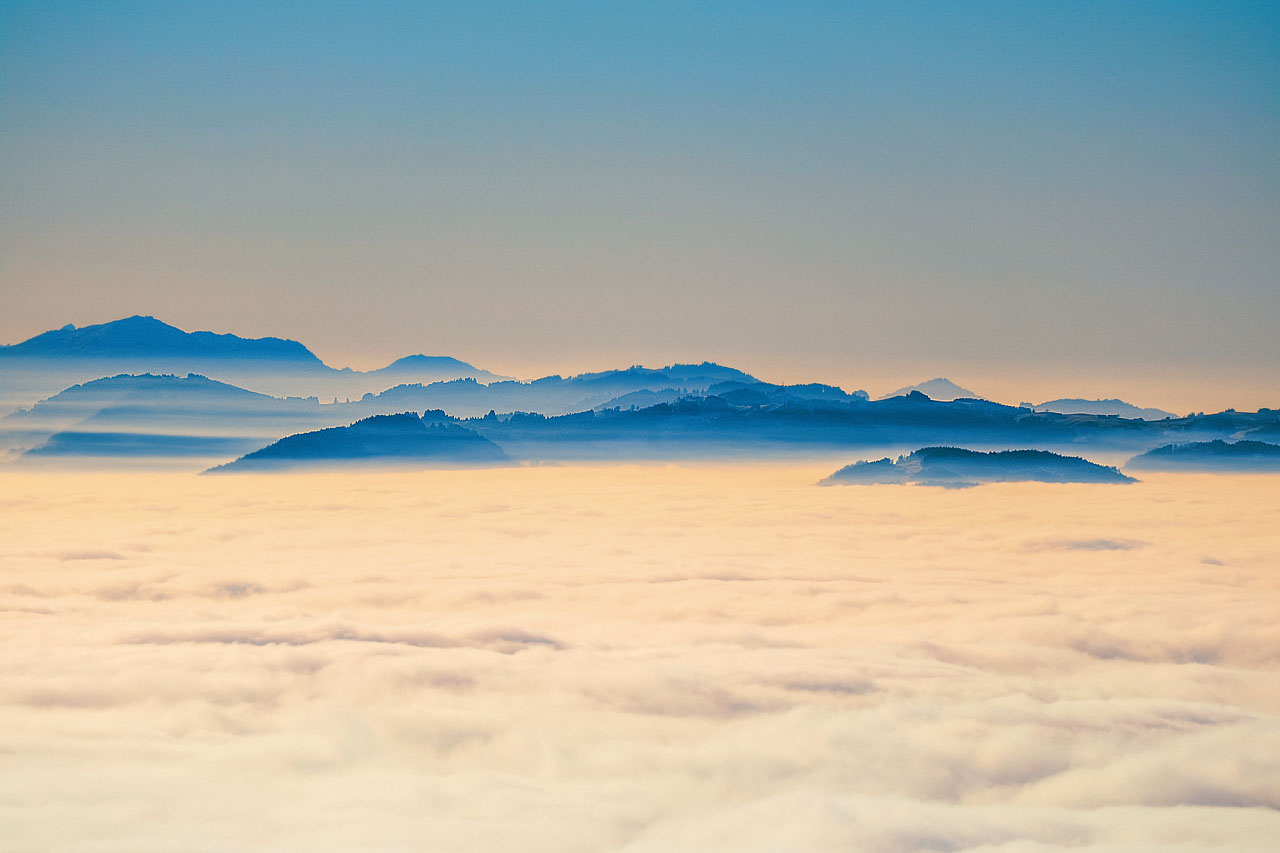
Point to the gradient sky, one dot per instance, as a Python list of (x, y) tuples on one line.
[(1086, 195)]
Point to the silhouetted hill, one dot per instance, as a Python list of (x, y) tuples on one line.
[(48, 362), (954, 467), (383, 440), (737, 393), (155, 389), (146, 337), (54, 360), (1210, 456), (747, 419), (702, 375), (425, 368), (941, 389), (150, 404), (1119, 408), (554, 395), (644, 398), (765, 393), (196, 405), (700, 425)]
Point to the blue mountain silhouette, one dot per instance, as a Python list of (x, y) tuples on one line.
[(1119, 408), (1215, 455), (756, 419), (143, 337), (48, 362), (150, 405), (955, 467), (404, 439), (702, 425), (941, 389), (556, 395), (418, 365)]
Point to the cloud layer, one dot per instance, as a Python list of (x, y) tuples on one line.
[(638, 658)]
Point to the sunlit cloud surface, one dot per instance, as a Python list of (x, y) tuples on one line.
[(637, 658)]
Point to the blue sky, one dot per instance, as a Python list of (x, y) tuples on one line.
[(832, 189)]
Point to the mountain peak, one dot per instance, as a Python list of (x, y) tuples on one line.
[(431, 368), (144, 336), (941, 389)]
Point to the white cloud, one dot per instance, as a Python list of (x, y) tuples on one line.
[(680, 658)]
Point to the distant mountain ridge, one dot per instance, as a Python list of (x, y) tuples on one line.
[(149, 406), (1214, 455), (156, 404), (751, 419), (401, 440), (677, 411), (698, 425), (940, 389), (1119, 408), (144, 337), (53, 360), (158, 396), (557, 395), (140, 337), (418, 364)]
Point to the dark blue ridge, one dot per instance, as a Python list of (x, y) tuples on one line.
[(121, 445), (1217, 455), (402, 438), (957, 467), (138, 336)]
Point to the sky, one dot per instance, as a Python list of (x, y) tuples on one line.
[(637, 658), (1037, 201)]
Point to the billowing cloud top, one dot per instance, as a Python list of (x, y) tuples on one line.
[(637, 658)]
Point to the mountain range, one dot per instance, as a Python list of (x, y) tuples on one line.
[(195, 404), (149, 338), (700, 425), (680, 410), (191, 406), (709, 426), (53, 360), (201, 408)]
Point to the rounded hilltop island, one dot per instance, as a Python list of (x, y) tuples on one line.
[(957, 468)]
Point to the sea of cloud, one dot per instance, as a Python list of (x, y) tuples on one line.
[(641, 658)]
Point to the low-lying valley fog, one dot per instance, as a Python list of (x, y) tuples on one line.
[(640, 658)]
